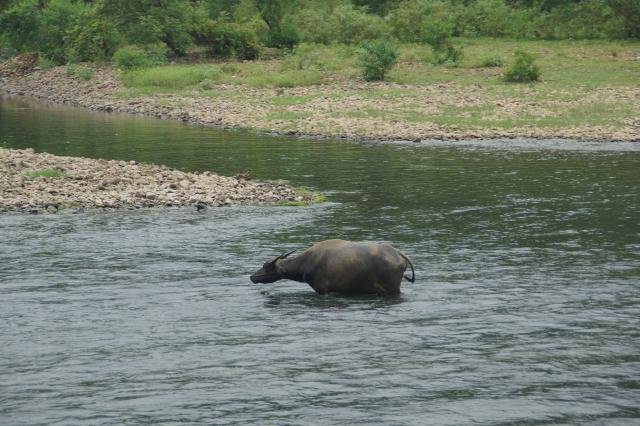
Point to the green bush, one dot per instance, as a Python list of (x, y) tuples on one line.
[(145, 22), (136, 57), (92, 38), (130, 58), (339, 23), (423, 21), (303, 56), (437, 34), (523, 69), (377, 59), (628, 11), (448, 54), (56, 19), (20, 25), (226, 40), (490, 61), (287, 36)]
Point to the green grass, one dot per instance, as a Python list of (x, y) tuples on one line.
[(563, 64), (45, 173), (469, 118), (309, 198), (293, 78), (170, 77), (78, 71), (174, 79), (572, 73)]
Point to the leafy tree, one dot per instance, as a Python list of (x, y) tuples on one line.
[(150, 21), (379, 7), (227, 39), (282, 33), (56, 20), (629, 13), (220, 9), (4, 4), (93, 38), (20, 25), (340, 22)]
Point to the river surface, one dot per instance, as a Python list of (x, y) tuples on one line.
[(526, 306)]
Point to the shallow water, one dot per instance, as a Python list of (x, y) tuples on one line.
[(526, 306)]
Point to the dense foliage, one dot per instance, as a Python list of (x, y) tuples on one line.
[(377, 59), (523, 69), (78, 30)]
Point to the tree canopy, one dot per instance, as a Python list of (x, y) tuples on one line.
[(77, 30)]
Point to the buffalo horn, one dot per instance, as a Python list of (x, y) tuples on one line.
[(282, 256)]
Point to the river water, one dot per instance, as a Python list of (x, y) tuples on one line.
[(526, 306)]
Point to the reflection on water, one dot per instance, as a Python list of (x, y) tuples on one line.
[(329, 301), (525, 309)]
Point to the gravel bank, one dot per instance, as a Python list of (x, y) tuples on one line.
[(41, 182), (338, 110)]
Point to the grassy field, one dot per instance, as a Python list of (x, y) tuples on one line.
[(318, 89)]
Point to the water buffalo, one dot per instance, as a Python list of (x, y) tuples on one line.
[(342, 267)]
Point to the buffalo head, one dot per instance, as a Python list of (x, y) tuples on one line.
[(269, 271)]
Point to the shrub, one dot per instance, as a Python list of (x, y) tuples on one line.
[(92, 38), (523, 69), (131, 57), (341, 23), (303, 57), (437, 34), (135, 57), (377, 59), (419, 21), (490, 62), (287, 36), (20, 25), (629, 13), (147, 22), (226, 39), (57, 18), (447, 54)]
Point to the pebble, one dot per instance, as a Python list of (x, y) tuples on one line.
[(87, 183)]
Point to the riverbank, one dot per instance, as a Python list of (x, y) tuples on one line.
[(589, 91), (41, 182)]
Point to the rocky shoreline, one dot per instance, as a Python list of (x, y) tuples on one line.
[(323, 115), (40, 182)]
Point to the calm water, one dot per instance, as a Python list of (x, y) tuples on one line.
[(526, 307)]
